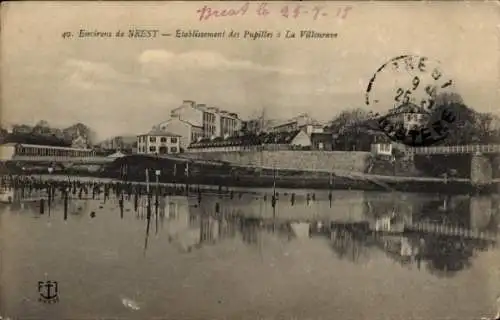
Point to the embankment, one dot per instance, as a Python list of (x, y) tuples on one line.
[(355, 161)]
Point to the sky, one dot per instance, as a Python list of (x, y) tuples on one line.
[(125, 86)]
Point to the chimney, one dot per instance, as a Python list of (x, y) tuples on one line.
[(202, 106), (188, 103)]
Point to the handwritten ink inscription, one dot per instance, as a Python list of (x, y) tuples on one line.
[(289, 11)]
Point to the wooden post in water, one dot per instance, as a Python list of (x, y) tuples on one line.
[(50, 197), (187, 178), (273, 200), (136, 199), (174, 175), (157, 174), (330, 184), (121, 205), (66, 204), (148, 212), (42, 206)]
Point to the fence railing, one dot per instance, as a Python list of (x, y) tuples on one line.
[(490, 148), (91, 159)]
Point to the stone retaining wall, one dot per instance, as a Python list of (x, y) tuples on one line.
[(299, 160)]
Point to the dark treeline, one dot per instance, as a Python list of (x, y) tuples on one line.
[(45, 134), (355, 129), (31, 138)]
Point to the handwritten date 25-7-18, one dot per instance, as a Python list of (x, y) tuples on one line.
[(263, 9)]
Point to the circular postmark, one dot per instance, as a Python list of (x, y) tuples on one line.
[(403, 93)]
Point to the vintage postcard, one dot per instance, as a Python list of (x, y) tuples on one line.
[(250, 160)]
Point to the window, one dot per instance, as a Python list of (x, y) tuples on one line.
[(163, 139), (152, 139), (173, 150), (173, 140), (152, 149)]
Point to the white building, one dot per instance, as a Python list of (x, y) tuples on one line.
[(382, 148), (414, 120), (302, 122), (213, 121), (158, 142), (187, 131), (412, 116)]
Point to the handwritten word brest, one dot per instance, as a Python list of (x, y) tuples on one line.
[(263, 10)]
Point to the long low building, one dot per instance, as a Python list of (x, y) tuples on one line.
[(11, 150), (272, 140)]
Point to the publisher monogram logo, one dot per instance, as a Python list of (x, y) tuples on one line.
[(48, 291)]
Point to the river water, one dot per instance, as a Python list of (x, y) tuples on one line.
[(250, 261)]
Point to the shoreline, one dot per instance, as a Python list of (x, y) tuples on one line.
[(355, 181)]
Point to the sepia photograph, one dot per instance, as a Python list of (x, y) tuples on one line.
[(302, 160)]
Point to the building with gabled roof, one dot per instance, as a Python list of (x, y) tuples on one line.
[(301, 122), (187, 131), (158, 142), (213, 121)]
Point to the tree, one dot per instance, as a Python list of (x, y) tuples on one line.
[(3, 134), (349, 130), (80, 129), (41, 128), (467, 127), (21, 128), (348, 119)]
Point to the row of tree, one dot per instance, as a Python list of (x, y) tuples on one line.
[(44, 133), (354, 129)]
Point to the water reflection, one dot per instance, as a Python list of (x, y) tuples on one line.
[(441, 235)]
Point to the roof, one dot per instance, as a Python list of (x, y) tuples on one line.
[(117, 154), (24, 145), (160, 133), (178, 119), (304, 116), (408, 108), (248, 140), (205, 108)]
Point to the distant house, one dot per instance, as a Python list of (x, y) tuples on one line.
[(383, 149), (212, 120), (411, 116), (187, 131), (123, 143), (294, 140), (322, 141), (79, 143), (302, 122), (158, 142), (256, 126)]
